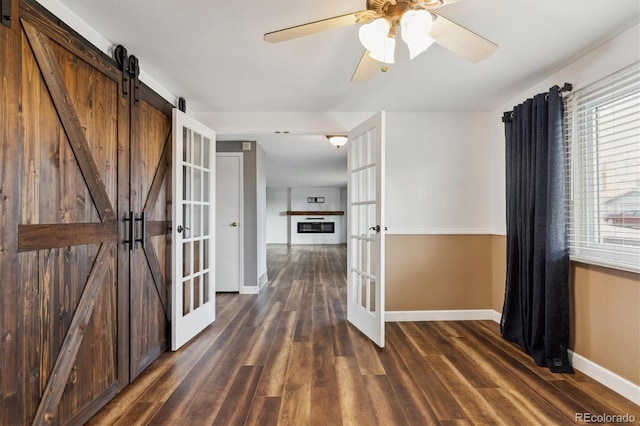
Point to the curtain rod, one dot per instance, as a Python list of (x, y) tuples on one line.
[(566, 87)]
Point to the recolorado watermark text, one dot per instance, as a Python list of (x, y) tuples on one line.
[(604, 418)]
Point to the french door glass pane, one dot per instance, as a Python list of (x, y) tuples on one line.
[(197, 184), (186, 145), (205, 285), (186, 297), (186, 259), (186, 183), (196, 292), (197, 220), (205, 154), (197, 149)]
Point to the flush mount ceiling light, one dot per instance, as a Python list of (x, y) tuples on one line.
[(416, 22), (337, 140)]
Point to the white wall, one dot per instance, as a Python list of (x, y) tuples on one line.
[(437, 173), (616, 54), (331, 199), (261, 215), (277, 219)]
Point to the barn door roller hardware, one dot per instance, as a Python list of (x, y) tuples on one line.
[(182, 104), (6, 12), (130, 67), (134, 72), (122, 58)]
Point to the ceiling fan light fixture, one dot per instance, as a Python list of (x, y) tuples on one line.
[(337, 140), (385, 52), (415, 27), (374, 36)]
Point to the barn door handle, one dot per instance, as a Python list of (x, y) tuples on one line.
[(131, 219), (143, 222)]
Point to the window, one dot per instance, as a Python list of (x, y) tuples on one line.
[(602, 136)]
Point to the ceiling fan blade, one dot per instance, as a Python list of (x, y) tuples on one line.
[(312, 28), (448, 2), (460, 40), (366, 68)]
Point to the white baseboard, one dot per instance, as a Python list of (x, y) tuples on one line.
[(443, 315), (262, 279), (624, 387), (618, 384), (249, 290)]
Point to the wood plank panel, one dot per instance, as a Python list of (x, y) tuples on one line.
[(53, 76), (55, 235), (47, 411), (13, 398), (61, 225), (150, 150)]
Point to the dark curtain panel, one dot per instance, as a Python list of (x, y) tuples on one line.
[(535, 314)]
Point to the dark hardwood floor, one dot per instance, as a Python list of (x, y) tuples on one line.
[(288, 356)]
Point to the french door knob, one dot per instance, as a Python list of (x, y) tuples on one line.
[(181, 228), (377, 228)]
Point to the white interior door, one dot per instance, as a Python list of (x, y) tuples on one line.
[(229, 221), (365, 229), (193, 211)]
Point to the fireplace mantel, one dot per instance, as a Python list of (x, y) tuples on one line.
[(314, 213)]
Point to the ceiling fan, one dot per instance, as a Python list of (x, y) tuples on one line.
[(418, 25)]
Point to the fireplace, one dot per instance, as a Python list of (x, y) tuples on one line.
[(316, 227)]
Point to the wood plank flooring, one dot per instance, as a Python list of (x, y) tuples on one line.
[(287, 356)]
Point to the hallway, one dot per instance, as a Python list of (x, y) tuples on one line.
[(288, 356)]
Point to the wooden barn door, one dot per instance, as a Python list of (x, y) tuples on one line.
[(74, 178), (150, 204)]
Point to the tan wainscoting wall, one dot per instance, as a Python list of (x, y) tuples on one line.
[(605, 318), (438, 272), (605, 313), (498, 270)]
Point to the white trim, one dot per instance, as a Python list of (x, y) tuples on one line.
[(440, 315), (496, 316), (249, 290), (618, 384), (439, 231), (263, 279)]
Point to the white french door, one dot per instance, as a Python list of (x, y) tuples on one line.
[(366, 239), (193, 212)]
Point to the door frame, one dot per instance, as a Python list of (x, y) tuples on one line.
[(241, 287)]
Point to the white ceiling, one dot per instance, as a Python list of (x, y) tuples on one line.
[(211, 52)]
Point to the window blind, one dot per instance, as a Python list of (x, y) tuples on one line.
[(602, 140)]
